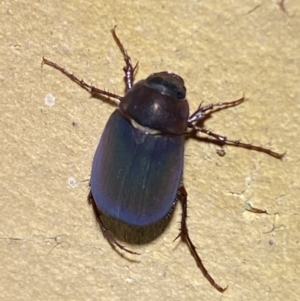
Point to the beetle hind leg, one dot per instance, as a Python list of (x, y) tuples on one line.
[(184, 234), (105, 231)]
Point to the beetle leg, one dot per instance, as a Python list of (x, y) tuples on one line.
[(106, 232), (81, 82), (128, 69), (202, 112), (238, 143), (184, 234)]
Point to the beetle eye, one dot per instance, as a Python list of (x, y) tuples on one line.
[(180, 95), (167, 84)]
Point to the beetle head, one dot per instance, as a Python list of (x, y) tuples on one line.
[(158, 103)]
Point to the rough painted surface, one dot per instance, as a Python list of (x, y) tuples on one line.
[(50, 247)]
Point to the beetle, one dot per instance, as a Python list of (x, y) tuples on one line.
[(137, 170)]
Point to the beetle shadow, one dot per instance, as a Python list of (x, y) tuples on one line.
[(194, 134), (104, 99), (136, 235)]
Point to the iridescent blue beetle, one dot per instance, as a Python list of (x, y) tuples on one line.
[(137, 170), (138, 164)]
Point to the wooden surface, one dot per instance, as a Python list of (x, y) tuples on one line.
[(50, 246)]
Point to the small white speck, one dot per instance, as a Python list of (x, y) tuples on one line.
[(49, 100), (72, 182), (129, 280), (249, 205)]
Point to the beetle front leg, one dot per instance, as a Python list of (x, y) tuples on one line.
[(184, 234), (202, 112), (128, 69), (105, 231)]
